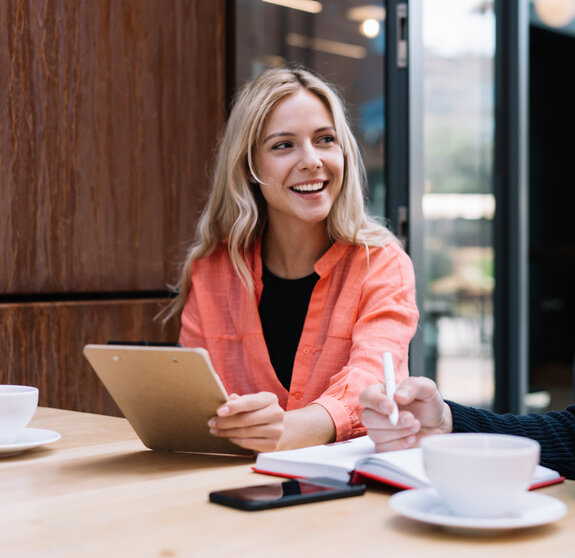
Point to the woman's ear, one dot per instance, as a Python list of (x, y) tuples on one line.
[(251, 178)]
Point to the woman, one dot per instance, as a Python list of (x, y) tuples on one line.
[(291, 288)]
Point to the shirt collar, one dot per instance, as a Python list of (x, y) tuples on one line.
[(329, 260), (257, 266)]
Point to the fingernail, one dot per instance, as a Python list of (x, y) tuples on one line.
[(223, 411), (212, 423), (401, 392)]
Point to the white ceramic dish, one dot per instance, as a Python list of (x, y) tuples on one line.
[(30, 438), (425, 505)]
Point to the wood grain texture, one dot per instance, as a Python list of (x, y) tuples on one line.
[(41, 345), (97, 492), (109, 114)]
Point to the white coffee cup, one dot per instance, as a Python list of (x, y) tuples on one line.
[(480, 475), (17, 407)]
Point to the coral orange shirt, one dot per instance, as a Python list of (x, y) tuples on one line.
[(360, 307)]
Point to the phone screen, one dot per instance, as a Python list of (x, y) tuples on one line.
[(285, 493)]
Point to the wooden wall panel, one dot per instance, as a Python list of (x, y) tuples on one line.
[(109, 112), (109, 115), (41, 345)]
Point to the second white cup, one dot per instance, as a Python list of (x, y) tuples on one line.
[(17, 407), (480, 475)]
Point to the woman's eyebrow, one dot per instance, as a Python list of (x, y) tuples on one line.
[(291, 134), (278, 134)]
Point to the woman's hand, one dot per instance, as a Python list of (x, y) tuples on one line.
[(422, 412), (254, 421)]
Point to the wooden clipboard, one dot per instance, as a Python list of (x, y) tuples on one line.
[(168, 394)]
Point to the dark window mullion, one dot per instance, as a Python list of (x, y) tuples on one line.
[(511, 217)]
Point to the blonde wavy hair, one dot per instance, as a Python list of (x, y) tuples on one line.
[(236, 211)]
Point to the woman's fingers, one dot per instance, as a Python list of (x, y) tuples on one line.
[(253, 421), (247, 403), (385, 435), (267, 431)]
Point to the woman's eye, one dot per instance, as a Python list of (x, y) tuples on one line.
[(282, 145), (327, 139)]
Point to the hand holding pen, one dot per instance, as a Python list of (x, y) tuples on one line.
[(422, 412)]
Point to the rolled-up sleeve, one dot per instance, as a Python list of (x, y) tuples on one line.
[(385, 319)]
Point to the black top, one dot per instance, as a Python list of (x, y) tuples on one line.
[(555, 431), (283, 307)]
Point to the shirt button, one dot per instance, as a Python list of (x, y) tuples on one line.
[(297, 395)]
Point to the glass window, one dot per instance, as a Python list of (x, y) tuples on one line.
[(343, 41), (458, 203)]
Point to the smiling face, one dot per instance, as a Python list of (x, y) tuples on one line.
[(299, 161)]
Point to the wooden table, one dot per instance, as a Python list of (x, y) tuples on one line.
[(98, 492)]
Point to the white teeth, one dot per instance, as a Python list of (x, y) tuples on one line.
[(308, 187)]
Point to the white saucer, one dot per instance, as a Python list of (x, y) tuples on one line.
[(425, 505), (30, 438)]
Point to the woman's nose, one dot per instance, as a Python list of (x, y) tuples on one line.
[(310, 160)]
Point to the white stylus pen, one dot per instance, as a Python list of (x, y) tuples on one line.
[(389, 373)]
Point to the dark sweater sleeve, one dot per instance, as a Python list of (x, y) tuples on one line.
[(555, 431)]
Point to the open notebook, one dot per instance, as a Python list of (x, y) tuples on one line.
[(356, 460)]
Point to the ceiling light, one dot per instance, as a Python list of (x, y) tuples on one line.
[(555, 13), (370, 28), (324, 45), (311, 6), (361, 13)]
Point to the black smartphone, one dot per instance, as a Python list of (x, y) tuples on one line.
[(284, 493)]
